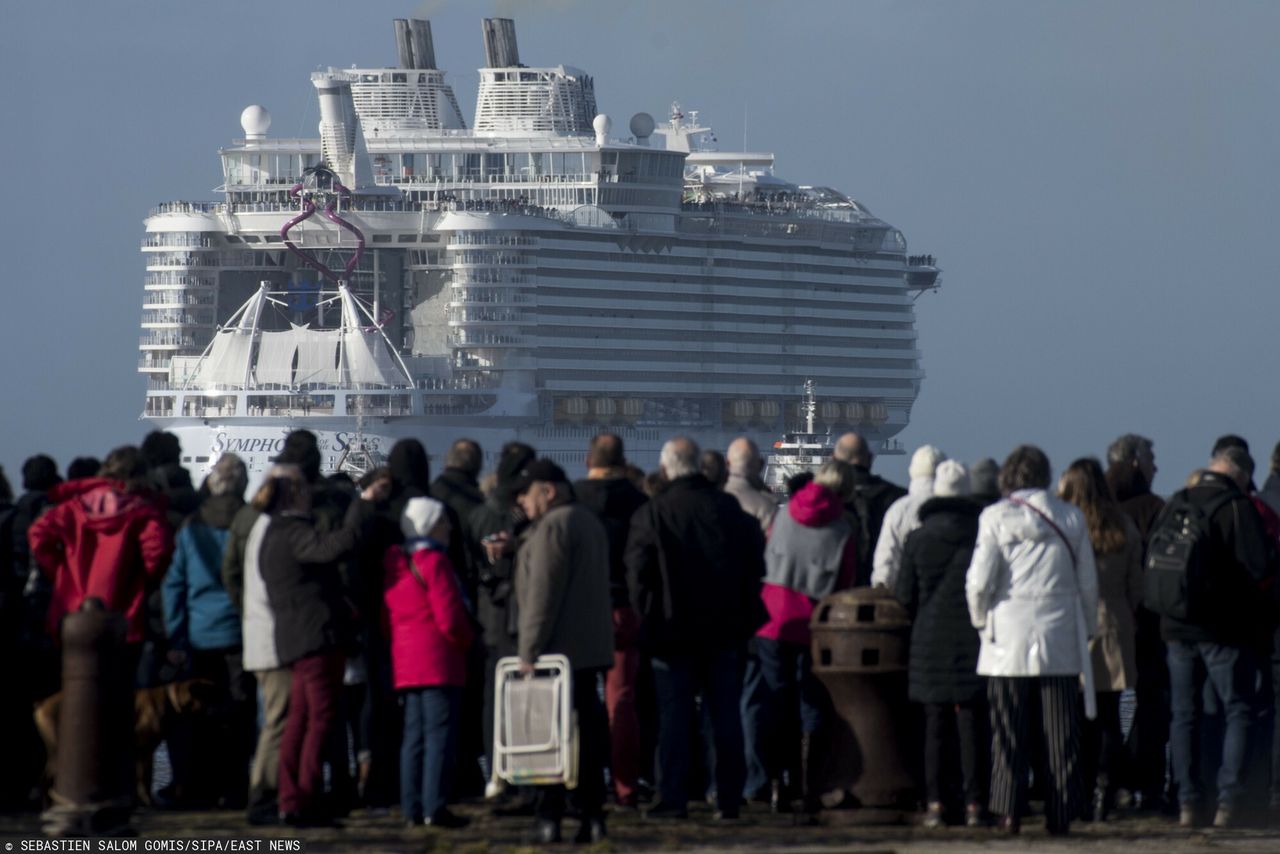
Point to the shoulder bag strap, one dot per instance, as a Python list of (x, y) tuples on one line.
[(1052, 524)]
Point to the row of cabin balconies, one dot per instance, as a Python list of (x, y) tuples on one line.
[(160, 318), (177, 299), (176, 239), (172, 341)]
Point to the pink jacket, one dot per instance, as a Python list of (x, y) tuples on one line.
[(427, 622), (789, 610)]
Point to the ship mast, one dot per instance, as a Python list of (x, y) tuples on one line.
[(810, 406)]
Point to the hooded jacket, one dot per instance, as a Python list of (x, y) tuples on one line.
[(944, 646), (695, 561), (100, 541), (1034, 607), (901, 519), (811, 552), (197, 609), (427, 618)]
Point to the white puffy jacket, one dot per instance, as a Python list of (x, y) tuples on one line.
[(902, 517), (1034, 610)]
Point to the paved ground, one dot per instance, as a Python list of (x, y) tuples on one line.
[(755, 831)]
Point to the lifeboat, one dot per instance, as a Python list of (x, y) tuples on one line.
[(855, 412), (572, 409), (738, 411), (604, 408)]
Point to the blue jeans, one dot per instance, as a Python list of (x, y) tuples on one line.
[(1230, 673), (755, 697), (795, 704), (718, 676), (429, 748)]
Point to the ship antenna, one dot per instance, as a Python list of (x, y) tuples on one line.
[(810, 406)]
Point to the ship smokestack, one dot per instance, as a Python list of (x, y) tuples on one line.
[(404, 43), (341, 140), (424, 51), (500, 48)]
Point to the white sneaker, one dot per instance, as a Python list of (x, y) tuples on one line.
[(494, 789)]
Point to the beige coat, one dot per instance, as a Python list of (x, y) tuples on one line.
[(1113, 651), (562, 587)]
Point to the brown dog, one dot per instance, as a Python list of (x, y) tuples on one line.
[(152, 708)]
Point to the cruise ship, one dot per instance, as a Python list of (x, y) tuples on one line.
[(538, 274)]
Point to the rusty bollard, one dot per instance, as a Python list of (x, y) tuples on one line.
[(93, 786), (861, 640)]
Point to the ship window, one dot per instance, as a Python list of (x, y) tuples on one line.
[(231, 238), (250, 238), (406, 238), (399, 78), (202, 459), (382, 238)]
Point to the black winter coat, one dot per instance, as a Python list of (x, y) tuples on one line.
[(871, 501), (614, 501), (313, 610), (935, 560), (695, 561), (495, 583)]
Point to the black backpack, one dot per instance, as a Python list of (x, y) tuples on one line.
[(1178, 582)]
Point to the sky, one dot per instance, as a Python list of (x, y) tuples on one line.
[(1097, 180)]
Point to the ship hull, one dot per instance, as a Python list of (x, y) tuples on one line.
[(258, 441)]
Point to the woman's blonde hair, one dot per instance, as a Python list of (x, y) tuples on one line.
[(837, 476)]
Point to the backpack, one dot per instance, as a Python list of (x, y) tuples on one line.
[(1178, 583)]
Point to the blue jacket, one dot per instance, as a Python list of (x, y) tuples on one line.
[(197, 610)]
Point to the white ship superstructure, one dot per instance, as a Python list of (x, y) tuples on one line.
[(536, 276)]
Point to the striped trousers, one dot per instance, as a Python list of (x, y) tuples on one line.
[(1013, 703)]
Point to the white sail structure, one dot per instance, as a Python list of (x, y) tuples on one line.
[(244, 357)]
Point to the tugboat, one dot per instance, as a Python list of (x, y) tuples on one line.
[(797, 453)]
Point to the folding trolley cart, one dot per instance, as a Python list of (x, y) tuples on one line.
[(535, 733)]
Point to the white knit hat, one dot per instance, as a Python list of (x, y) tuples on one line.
[(950, 479), (420, 516), (924, 462)]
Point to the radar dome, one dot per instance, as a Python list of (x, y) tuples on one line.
[(602, 124), (256, 121), (642, 125)]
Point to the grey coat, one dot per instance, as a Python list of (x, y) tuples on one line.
[(562, 589), (756, 500)]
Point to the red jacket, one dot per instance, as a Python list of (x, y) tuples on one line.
[(427, 619), (789, 610), (98, 540)]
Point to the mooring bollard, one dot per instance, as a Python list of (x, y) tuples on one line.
[(861, 640), (94, 782)]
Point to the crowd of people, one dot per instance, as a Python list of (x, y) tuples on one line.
[(351, 630)]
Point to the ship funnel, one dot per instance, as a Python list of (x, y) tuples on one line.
[(500, 50), (404, 43), (341, 141), (424, 49), (413, 43)]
